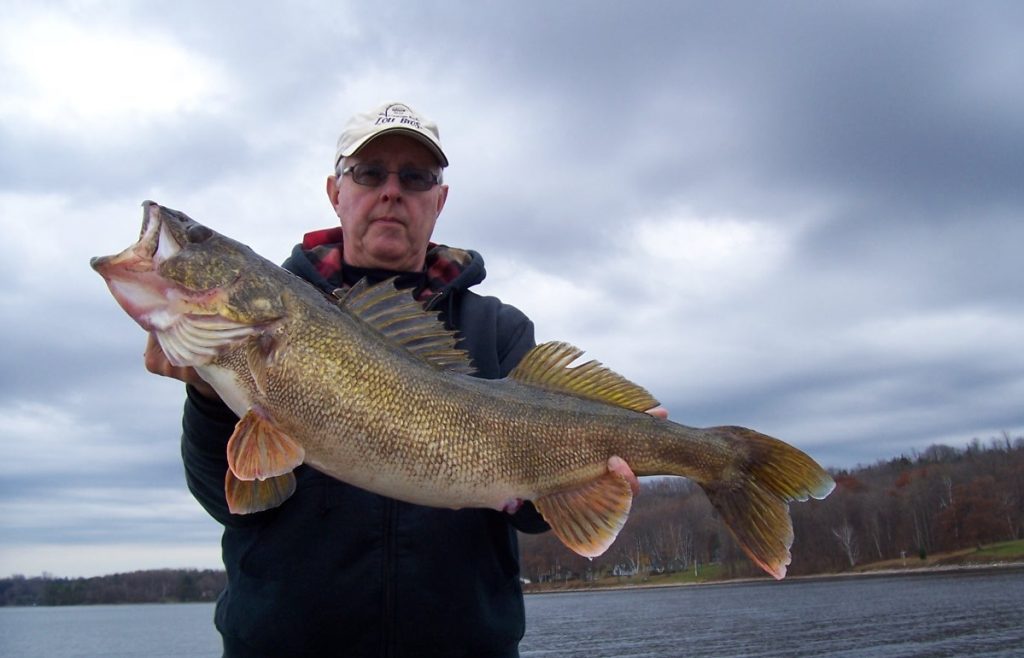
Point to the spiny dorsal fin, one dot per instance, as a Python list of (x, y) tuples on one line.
[(401, 319), (547, 366)]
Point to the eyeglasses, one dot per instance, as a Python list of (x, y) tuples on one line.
[(375, 175)]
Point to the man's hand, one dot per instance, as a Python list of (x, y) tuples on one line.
[(618, 465), (658, 412), (157, 363)]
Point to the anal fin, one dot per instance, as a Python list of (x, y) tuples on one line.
[(258, 450), (249, 496), (587, 519)]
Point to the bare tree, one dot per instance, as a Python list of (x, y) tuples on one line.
[(848, 541)]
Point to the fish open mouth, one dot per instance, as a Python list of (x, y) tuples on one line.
[(156, 244), (133, 275), (173, 300)]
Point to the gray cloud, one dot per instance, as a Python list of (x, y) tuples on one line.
[(799, 217)]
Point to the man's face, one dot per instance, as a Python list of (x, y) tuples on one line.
[(387, 227)]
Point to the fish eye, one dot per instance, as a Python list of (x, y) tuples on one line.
[(197, 233)]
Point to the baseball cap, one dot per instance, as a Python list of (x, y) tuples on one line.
[(392, 117)]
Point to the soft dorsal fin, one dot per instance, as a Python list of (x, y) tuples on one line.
[(400, 318), (547, 366)]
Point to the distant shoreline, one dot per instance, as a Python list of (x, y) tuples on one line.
[(193, 587)]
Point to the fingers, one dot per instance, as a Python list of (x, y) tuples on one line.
[(154, 358), (618, 466), (156, 362), (659, 412)]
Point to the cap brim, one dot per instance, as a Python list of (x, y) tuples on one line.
[(418, 136)]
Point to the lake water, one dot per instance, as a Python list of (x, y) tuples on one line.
[(976, 613), (949, 614)]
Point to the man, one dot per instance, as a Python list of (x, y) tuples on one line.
[(336, 570)]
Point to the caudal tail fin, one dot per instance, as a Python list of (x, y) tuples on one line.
[(754, 498)]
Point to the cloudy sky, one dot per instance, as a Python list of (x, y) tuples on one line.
[(800, 217)]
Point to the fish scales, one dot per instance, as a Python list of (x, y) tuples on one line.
[(370, 389)]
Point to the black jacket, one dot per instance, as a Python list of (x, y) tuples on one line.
[(339, 571)]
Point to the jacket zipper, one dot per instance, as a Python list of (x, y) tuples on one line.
[(389, 578), (390, 624)]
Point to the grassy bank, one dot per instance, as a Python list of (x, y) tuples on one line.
[(707, 574), (1003, 552)]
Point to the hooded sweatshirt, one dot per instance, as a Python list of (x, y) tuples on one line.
[(339, 571)]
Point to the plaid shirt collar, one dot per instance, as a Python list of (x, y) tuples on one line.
[(443, 264)]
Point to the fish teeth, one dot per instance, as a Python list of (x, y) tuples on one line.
[(150, 236), (166, 246)]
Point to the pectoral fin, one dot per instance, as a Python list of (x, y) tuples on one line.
[(588, 519), (258, 450), (249, 496)]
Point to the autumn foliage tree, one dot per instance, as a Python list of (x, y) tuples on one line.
[(940, 499)]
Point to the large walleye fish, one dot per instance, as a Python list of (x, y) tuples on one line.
[(371, 389)]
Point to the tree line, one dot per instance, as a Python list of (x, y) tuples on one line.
[(940, 499), (153, 586)]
